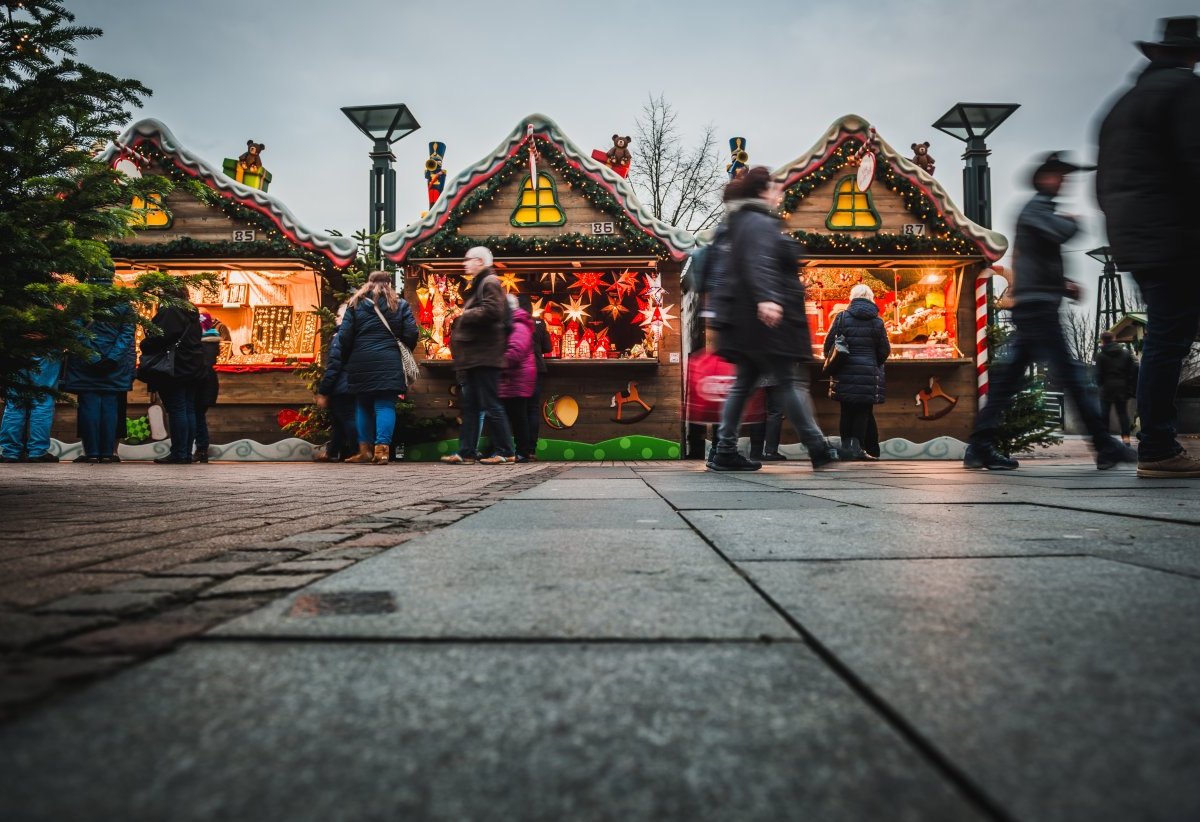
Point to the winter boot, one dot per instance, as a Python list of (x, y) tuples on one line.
[(201, 455), (364, 454), (382, 452), (851, 449)]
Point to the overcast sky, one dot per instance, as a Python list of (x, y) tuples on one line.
[(777, 73)]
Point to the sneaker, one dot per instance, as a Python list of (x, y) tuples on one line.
[(458, 459), (1114, 455), (86, 458), (46, 457), (986, 456), (822, 457), (731, 462), (776, 457), (1180, 466), (496, 459)]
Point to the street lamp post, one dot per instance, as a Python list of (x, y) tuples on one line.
[(385, 125), (972, 123), (1110, 295)]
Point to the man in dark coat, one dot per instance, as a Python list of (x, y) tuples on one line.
[(760, 315), (858, 384), (1039, 286), (1149, 164), (478, 341), (1117, 377)]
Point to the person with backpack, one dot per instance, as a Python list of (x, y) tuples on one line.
[(376, 323), (478, 341), (1117, 377), (758, 309)]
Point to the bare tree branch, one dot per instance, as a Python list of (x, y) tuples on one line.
[(681, 185)]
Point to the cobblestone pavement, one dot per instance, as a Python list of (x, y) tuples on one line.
[(103, 565)]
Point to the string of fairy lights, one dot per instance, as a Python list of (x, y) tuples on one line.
[(449, 242), (940, 237)]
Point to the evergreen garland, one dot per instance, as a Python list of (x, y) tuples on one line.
[(939, 238), (448, 242)]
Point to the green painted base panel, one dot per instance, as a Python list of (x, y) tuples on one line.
[(633, 447)]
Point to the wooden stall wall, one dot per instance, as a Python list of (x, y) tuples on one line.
[(494, 220), (195, 219)]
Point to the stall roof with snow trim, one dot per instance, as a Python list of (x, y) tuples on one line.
[(454, 223), (152, 140)]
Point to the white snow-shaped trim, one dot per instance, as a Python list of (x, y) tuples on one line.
[(397, 244), (341, 251), (992, 244)]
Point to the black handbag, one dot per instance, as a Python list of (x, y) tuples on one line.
[(159, 365), (838, 355)]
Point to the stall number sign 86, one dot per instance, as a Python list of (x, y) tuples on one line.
[(602, 228), (243, 235)]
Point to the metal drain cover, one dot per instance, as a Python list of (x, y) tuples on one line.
[(343, 603)]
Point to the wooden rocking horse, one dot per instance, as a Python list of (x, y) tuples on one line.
[(630, 394), (926, 395)]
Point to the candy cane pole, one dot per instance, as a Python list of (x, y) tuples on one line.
[(981, 341)]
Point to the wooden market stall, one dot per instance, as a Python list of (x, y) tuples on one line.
[(920, 255), (268, 275), (569, 232)]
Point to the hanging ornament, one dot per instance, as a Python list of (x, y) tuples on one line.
[(511, 282), (576, 310), (553, 276), (533, 175), (535, 307), (658, 318), (614, 308), (653, 287), (623, 284), (643, 310), (589, 283)]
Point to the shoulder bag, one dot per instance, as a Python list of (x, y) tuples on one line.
[(411, 371), (159, 365), (838, 354)]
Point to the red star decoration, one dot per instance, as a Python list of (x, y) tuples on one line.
[(623, 284), (589, 283)]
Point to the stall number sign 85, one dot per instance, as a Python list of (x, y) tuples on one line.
[(243, 235), (602, 228)]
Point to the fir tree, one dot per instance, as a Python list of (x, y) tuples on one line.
[(58, 201), (1029, 422)]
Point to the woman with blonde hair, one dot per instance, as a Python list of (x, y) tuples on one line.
[(376, 323)]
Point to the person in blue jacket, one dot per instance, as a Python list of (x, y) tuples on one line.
[(334, 395), (858, 385), (98, 380), (32, 413), (375, 371)]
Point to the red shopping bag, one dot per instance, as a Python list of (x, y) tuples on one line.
[(709, 379)]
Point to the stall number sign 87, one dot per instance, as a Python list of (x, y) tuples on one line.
[(243, 235)]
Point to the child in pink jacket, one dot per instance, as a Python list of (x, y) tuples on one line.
[(518, 380)]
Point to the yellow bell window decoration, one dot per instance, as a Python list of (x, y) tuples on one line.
[(540, 206), (152, 213), (853, 209)]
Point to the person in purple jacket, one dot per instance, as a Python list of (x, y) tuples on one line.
[(518, 380)]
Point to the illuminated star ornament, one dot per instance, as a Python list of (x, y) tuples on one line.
[(653, 287), (589, 283), (511, 282), (658, 318), (535, 305), (614, 308), (642, 312), (623, 284), (575, 310), (553, 277)]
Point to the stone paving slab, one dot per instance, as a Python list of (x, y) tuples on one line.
[(660, 732), (572, 517), (536, 584), (738, 499), (599, 472), (1065, 686), (587, 488)]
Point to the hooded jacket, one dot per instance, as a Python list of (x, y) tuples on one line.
[(519, 377), (1116, 372), (861, 378), (1149, 170), (181, 328), (111, 365), (369, 351), (763, 269)]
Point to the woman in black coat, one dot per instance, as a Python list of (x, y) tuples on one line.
[(760, 317), (858, 384), (374, 368), (180, 328)]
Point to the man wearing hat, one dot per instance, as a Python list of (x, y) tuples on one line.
[(1039, 286), (1149, 177)]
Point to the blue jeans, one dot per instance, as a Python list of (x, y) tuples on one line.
[(480, 396), (791, 392), (98, 422), (180, 402), (1172, 300), (1039, 338), (375, 415), (38, 415)]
